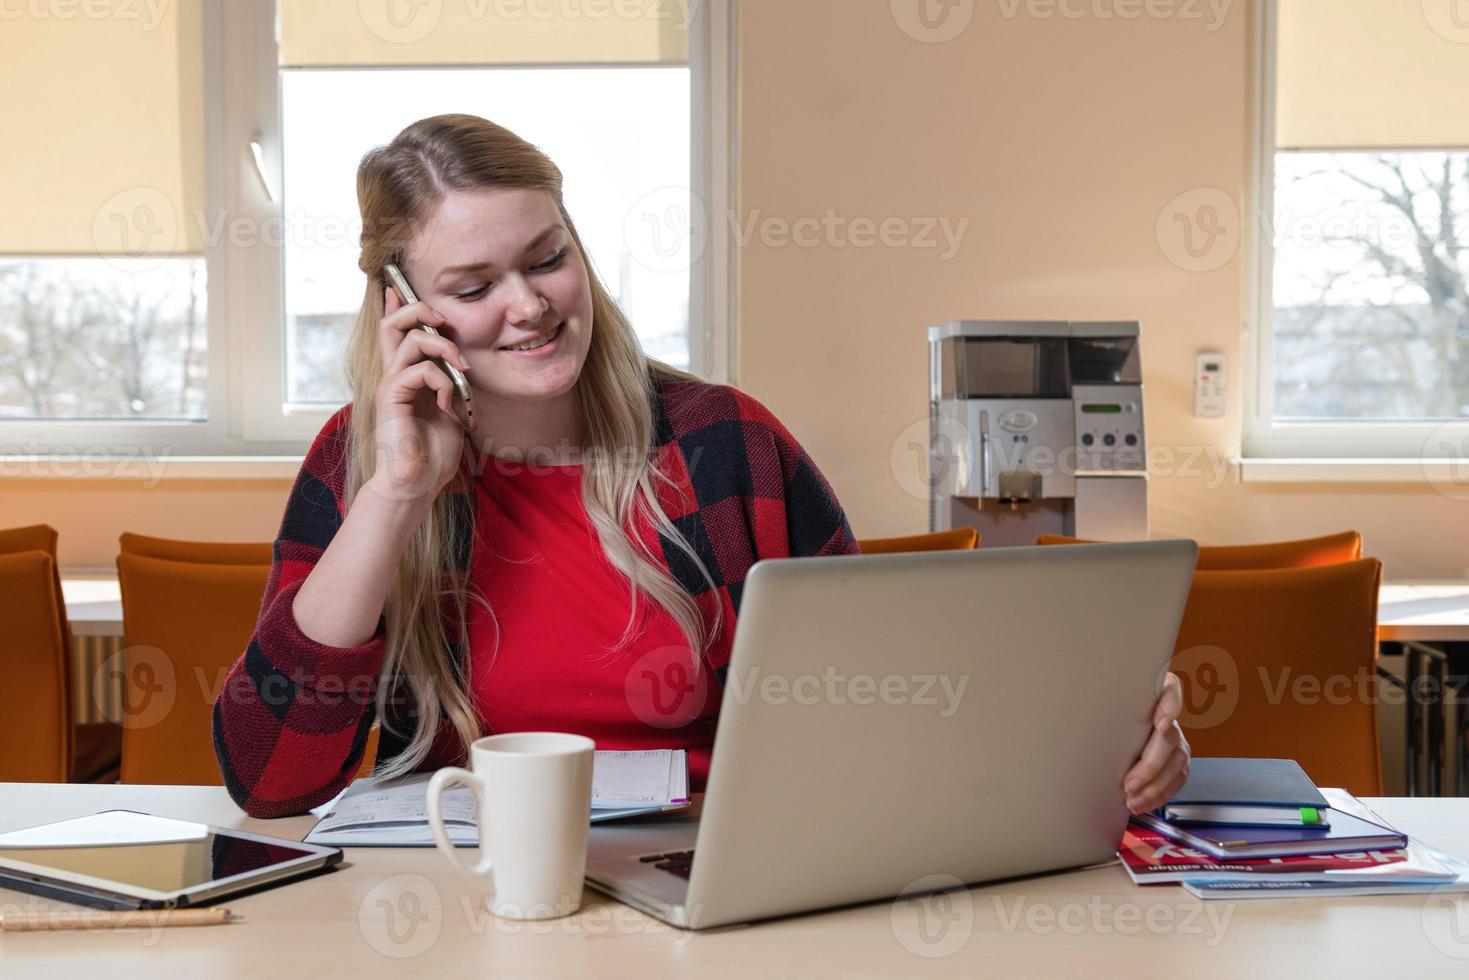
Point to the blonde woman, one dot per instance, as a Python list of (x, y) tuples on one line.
[(573, 562)]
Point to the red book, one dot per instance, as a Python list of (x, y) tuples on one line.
[(1152, 858)]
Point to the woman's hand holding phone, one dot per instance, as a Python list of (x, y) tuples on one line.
[(419, 435)]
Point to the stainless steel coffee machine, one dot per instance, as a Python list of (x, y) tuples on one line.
[(1036, 427)]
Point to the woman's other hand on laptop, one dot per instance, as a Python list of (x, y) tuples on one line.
[(1163, 765)]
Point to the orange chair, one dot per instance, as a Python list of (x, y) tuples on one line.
[(1282, 663), (1306, 553), (202, 552), (35, 727), (178, 652), (959, 539), (184, 625), (93, 748)]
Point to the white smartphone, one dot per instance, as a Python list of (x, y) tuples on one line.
[(461, 384)]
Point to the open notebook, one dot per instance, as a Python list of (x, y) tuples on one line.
[(378, 813)]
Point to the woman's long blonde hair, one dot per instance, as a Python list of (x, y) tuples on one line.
[(398, 185)]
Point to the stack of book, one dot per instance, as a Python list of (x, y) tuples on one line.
[(1259, 828)]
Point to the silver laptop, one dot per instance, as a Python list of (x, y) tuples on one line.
[(889, 718)]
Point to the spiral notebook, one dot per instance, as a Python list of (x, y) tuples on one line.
[(373, 812)]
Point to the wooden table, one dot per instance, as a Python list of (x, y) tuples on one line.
[(1418, 611), (93, 604), (406, 911), (1423, 612)]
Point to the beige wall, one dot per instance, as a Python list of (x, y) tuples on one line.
[(90, 514), (1061, 141)]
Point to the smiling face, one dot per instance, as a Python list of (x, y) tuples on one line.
[(501, 266)]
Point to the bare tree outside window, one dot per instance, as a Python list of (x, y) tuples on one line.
[(93, 338), (1371, 285)]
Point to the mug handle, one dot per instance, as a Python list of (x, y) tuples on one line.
[(441, 781)]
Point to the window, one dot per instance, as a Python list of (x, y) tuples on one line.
[(103, 338), (1363, 190), (1370, 285), (103, 285), (192, 297)]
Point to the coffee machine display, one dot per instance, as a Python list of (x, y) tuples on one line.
[(1036, 427)]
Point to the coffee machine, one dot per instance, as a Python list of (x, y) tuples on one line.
[(1036, 427)]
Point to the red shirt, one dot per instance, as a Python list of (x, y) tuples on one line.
[(561, 607)]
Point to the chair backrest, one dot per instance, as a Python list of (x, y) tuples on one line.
[(200, 552), (184, 625), (1329, 549), (959, 539), (35, 723), (42, 537), (1281, 663)]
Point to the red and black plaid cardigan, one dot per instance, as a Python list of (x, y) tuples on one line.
[(292, 718)]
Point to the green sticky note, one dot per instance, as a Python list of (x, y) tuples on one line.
[(1309, 814)]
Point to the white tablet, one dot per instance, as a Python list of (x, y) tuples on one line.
[(123, 859)]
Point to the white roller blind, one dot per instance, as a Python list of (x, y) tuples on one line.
[(103, 121), (1371, 74), (357, 33)]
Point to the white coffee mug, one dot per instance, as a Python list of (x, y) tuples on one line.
[(534, 791)]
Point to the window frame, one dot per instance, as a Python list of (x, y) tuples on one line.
[(93, 447), (1264, 437), (251, 431)]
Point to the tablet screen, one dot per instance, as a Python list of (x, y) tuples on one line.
[(143, 851)]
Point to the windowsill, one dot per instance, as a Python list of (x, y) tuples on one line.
[(149, 470), (1349, 470), (155, 469)]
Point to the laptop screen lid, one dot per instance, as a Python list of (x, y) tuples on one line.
[(969, 714)]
